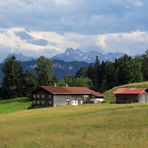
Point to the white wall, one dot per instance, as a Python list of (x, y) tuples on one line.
[(143, 98)]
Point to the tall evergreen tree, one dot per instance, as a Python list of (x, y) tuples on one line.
[(12, 81), (110, 75), (145, 66), (43, 71), (116, 76), (135, 72), (103, 64), (97, 75), (29, 83), (90, 72), (124, 70)]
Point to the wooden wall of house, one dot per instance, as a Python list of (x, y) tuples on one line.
[(62, 99), (126, 98), (41, 98), (146, 97), (143, 98)]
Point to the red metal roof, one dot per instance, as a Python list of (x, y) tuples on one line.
[(135, 91), (71, 90)]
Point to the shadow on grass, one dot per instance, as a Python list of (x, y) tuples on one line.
[(19, 100)]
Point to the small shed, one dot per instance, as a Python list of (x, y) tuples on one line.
[(131, 95)]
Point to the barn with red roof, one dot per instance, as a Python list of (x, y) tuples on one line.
[(57, 96), (131, 95)]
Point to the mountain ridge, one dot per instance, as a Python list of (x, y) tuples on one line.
[(71, 54), (65, 65), (77, 55), (21, 57)]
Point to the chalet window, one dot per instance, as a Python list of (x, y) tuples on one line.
[(43, 102), (38, 102), (43, 96), (49, 96), (33, 102), (38, 96), (34, 96), (50, 102)]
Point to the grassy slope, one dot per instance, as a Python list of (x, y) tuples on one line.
[(14, 105), (107, 125), (109, 97)]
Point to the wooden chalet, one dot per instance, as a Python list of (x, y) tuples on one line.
[(57, 96), (131, 95)]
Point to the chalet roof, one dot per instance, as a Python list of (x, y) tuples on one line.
[(133, 91), (71, 90)]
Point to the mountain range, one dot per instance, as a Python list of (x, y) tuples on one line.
[(65, 63), (21, 57), (77, 55)]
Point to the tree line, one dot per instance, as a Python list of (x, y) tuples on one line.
[(18, 83), (124, 70), (99, 76)]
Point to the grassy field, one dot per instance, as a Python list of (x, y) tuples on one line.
[(109, 97), (86, 126), (92, 126), (13, 105)]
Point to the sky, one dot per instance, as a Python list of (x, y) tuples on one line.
[(48, 27)]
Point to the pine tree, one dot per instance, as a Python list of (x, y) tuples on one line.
[(135, 72), (124, 70), (12, 81), (97, 75), (110, 75), (145, 66), (43, 71), (90, 72), (29, 83)]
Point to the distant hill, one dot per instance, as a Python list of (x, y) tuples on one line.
[(61, 68), (77, 55), (109, 97)]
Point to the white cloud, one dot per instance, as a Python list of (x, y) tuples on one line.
[(131, 43), (22, 41)]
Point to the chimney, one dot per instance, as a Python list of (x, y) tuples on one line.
[(66, 85), (55, 84)]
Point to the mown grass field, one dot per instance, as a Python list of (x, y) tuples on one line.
[(86, 126), (92, 126), (109, 97)]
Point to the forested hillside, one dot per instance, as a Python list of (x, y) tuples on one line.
[(60, 68)]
